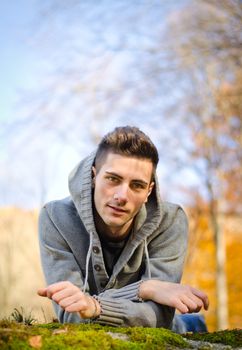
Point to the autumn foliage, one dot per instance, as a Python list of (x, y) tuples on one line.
[(200, 267), (20, 273)]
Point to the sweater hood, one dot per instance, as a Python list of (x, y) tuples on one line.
[(80, 187)]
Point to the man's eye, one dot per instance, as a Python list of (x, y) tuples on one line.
[(112, 179), (137, 186)]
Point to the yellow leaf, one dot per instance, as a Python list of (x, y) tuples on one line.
[(35, 341)]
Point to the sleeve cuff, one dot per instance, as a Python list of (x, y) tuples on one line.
[(112, 307), (130, 292), (112, 312)]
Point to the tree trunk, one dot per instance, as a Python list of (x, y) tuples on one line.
[(221, 280)]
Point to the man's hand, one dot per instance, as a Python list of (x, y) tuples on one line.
[(182, 297), (71, 299)]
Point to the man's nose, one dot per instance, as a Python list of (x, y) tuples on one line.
[(121, 194)]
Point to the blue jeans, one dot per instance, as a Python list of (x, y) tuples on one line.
[(189, 323)]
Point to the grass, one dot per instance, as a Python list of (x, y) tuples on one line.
[(21, 317)]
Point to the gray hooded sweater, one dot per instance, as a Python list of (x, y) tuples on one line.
[(71, 250)]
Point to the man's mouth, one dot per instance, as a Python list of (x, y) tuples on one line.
[(117, 209)]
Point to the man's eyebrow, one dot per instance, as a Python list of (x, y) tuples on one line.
[(120, 177), (140, 181), (114, 174)]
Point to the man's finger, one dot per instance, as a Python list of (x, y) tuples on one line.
[(65, 293), (56, 287), (64, 303), (191, 304), (42, 292), (200, 294), (198, 301), (180, 306), (77, 307), (51, 289)]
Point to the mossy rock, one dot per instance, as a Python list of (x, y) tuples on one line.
[(232, 338), (71, 336)]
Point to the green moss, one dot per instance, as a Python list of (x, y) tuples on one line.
[(87, 336), (70, 336), (227, 337), (155, 338)]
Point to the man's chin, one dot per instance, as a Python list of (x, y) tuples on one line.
[(116, 222)]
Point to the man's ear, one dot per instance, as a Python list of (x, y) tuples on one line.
[(151, 186), (94, 172)]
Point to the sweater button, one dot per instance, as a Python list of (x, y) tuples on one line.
[(97, 267), (95, 250)]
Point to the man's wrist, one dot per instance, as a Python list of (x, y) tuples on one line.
[(93, 309), (97, 310), (145, 290)]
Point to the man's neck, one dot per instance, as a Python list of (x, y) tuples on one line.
[(109, 233)]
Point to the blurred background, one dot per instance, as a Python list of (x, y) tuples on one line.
[(70, 72)]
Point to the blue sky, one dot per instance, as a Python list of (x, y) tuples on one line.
[(21, 63), (23, 69), (18, 61)]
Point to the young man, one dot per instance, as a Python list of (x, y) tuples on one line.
[(113, 252)]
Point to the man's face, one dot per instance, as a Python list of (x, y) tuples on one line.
[(121, 186)]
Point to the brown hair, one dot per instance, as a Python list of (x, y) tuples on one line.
[(128, 141)]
